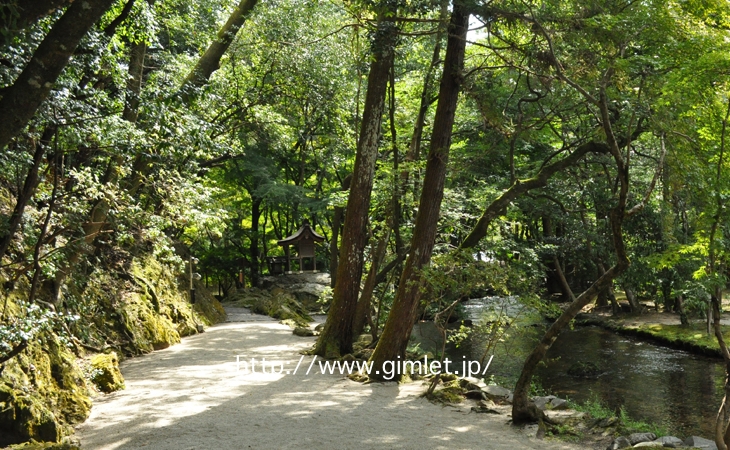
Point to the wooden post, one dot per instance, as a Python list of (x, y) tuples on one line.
[(288, 259)]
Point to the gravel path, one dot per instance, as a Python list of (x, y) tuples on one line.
[(194, 395)]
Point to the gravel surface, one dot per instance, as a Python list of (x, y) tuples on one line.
[(195, 395)]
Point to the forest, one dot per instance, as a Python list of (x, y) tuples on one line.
[(569, 153)]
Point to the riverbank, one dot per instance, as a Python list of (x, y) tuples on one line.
[(661, 328)]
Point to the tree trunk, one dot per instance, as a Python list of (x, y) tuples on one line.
[(31, 181), (366, 297), (523, 410), (21, 100), (336, 226), (210, 61), (16, 15), (563, 281), (631, 297), (679, 307), (134, 81), (393, 341), (337, 335)]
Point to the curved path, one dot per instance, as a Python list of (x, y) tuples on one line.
[(194, 395)]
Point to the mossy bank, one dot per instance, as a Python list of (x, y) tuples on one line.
[(140, 306)]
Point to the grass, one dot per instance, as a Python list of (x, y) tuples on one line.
[(624, 423), (694, 334)]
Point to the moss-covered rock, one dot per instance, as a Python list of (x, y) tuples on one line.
[(277, 303), (106, 374), (42, 394), (132, 306)]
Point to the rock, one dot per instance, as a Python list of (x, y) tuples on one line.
[(484, 409), (309, 293), (699, 442), (475, 394), (303, 331), (446, 377), (497, 392), (550, 402), (670, 441), (107, 376), (619, 443), (319, 327), (543, 402), (605, 422), (636, 438), (472, 384), (565, 417), (649, 444)]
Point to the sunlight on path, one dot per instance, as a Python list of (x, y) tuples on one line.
[(196, 395)]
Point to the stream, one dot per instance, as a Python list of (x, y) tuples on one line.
[(652, 383)]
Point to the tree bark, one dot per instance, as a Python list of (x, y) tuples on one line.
[(337, 335), (366, 297), (563, 280), (631, 297), (393, 341), (210, 61), (31, 182), (16, 15), (336, 226), (21, 100), (134, 81)]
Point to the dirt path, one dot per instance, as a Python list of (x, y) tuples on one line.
[(191, 396)]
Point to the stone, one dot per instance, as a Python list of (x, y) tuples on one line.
[(107, 376), (484, 409), (549, 402), (543, 402), (475, 394), (619, 443), (670, 441), (649, 444), (303, 331), (700, 442), (636, 438), (497, 392), (565, 417), (472, 384), (605, 422)]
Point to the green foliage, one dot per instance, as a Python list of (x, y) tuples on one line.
[(28, 322), (625, 424)]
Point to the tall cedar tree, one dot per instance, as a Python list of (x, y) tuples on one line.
[(393, 342), (337, 335)]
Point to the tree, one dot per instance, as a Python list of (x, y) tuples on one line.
[(337, 335), (21, 100), (397, 331)]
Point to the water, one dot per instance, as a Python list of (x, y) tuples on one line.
[(652, 383)]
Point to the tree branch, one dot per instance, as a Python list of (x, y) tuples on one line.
[(520, 187)]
